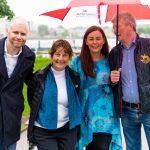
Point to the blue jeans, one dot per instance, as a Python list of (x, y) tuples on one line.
[(132, 120)]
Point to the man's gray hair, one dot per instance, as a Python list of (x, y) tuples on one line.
[(126, 17)]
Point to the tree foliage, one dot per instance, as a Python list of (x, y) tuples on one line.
[(65, 34), (144, 29), (5, 10), (43, 30)]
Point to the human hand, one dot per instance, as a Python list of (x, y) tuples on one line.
[(115, 75)]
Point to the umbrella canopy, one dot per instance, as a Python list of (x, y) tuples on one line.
[(58, 14), (140, 12), (135, 7), (76, 15), (115, 6), (86, 12), (78, 3)]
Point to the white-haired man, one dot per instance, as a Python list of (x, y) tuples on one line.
[(17, 61)]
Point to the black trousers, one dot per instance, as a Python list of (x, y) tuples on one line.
[(59, 139), (101, 141)]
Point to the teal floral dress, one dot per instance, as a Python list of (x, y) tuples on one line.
[(97, 105)]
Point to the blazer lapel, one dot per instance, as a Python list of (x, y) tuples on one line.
[(18, 65), (22, 64)]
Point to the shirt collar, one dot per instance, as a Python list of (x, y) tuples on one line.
[(133, 43)]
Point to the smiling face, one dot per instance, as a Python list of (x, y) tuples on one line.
[(17, 34), (60, 59), (95, 42), (124, 30), (61, 53), (126, 27)]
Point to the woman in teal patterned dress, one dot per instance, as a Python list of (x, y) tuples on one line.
[(100, 129)]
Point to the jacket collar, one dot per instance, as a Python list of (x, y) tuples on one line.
[(3, 69), (26, 53)]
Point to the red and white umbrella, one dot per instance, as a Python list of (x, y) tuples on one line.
[(91, 8), (139, 11)]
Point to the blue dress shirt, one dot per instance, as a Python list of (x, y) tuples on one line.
[(129, 75)]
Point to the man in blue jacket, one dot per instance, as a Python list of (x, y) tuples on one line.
[(16, 66), (130, 78)]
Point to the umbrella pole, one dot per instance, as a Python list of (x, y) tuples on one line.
[(117, 20), (117, 25), (118, 59)]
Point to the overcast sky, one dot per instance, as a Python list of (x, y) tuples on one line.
[(31, 10)]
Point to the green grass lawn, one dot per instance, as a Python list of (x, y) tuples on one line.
[(40, 62)]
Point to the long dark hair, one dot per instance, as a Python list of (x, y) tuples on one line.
[(85, 56)]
